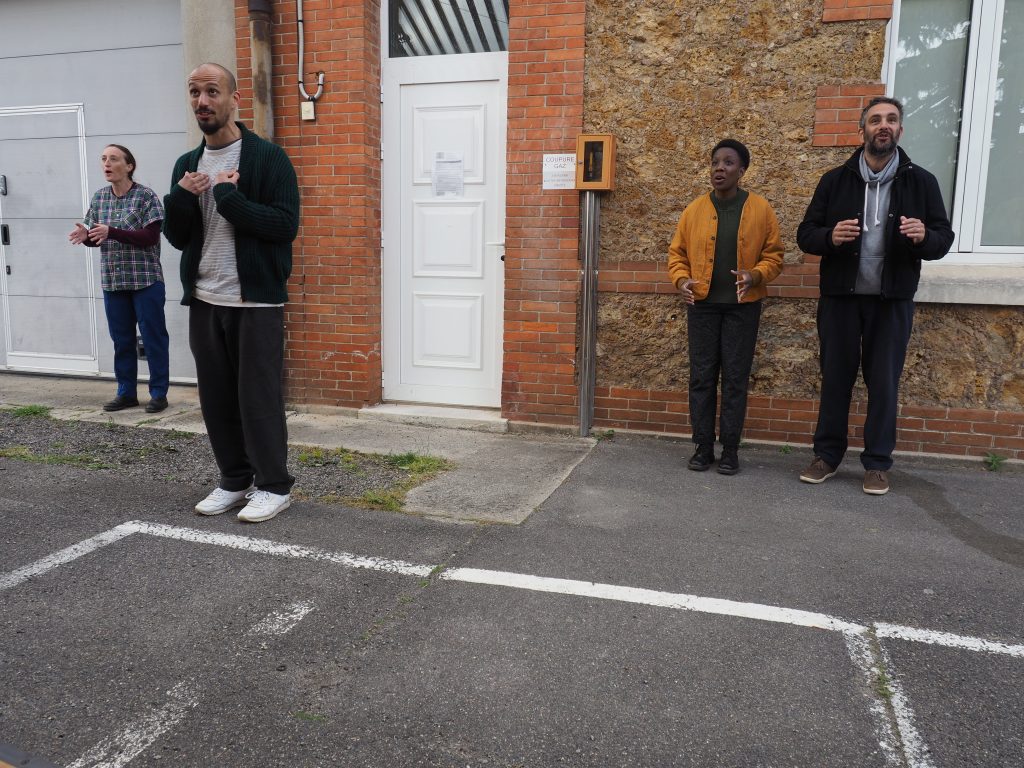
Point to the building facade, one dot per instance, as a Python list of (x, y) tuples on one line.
[(433, 267)]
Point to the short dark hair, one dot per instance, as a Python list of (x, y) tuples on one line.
[(880, 100), (128, 158), (740, 150)]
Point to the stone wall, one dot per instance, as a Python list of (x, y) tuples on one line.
[(672, 77)]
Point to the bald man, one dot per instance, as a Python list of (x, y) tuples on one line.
[(233, 211)]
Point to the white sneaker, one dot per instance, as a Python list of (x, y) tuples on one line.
[(221, 501), (263, 505)]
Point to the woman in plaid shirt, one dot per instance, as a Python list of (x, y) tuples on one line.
[(124, 221)]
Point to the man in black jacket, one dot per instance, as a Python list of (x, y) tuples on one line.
[(872, 220)]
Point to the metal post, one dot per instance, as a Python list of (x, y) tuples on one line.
[(590, 245)]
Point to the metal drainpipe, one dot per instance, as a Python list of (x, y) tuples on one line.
[(590, 246), (260, 29)]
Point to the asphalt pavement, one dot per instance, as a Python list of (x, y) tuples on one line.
[(615, 610)]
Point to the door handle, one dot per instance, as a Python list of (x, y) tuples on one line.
[(5, 234)]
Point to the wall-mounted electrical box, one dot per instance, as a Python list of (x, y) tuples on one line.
[(595, 161)]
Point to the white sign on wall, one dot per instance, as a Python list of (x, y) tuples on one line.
[(560, 171)]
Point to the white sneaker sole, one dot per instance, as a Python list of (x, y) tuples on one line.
[(875, 492), (265, 516), (817, 480), (240, 503)]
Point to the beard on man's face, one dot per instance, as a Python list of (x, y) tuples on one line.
[(211, 124), (882, 146)]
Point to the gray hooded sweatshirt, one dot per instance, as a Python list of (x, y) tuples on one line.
[(876, 213)]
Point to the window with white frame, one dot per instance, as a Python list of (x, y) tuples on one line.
[(958, 67)]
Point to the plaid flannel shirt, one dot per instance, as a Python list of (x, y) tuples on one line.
[(125, 267)]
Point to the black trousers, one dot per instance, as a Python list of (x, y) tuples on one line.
[(722, 338), (856, 333), (239, 354)]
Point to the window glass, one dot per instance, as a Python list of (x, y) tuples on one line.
[(1003, 217), (931, 56), (438, 27)]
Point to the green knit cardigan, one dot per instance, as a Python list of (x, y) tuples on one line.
[(263, 209)]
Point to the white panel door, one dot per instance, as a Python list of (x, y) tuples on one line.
[(46, 283), (443, 244)]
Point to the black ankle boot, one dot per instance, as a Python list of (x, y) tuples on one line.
[(729, 464), (702, 459)]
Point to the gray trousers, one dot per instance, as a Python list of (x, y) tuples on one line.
[(722, 338), (239, 353)]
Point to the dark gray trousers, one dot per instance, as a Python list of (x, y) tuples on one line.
[(866, 334), (239, 353), (722, 338)]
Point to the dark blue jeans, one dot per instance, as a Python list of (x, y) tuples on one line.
[(722, 338), (869, 334), (143, 308)]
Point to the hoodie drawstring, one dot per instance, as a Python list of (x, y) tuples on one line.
[(867, 188)]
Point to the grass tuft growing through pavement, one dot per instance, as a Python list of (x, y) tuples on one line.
[(420, 468), (415, 469), (22, 453), (32, 411)]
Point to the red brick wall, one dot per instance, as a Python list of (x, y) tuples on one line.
[(545, 113), (837, 108), (334, 316), (837, 111), (856, 10), (950, 431)]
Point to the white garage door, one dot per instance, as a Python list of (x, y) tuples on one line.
[(78, 75)]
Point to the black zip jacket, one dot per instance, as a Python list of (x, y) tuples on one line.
[(840, 195)]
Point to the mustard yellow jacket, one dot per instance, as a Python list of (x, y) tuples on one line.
[(759, 247)]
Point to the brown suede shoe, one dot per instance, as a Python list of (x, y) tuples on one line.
[(876, 482), (818, 472)]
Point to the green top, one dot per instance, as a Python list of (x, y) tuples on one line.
[(723, 282), (263, 209)]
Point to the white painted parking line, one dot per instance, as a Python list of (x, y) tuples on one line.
[(977, 644), (267, 547), (915, 751), (284, 621), (66, 555), (897, 736), (135, 738), (678, 601), (640, 596), (864, 658)]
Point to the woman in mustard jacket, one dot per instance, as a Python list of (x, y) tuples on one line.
[(725, 251)]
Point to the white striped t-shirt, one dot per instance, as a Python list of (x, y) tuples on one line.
[(217, 282)]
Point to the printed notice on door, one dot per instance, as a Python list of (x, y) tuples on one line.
[(448, 174), (559, 172)]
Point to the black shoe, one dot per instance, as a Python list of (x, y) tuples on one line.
[(156, 405), (729, 464), (121, 402), (702, 459)]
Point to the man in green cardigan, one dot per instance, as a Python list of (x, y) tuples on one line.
[(233, 212)]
